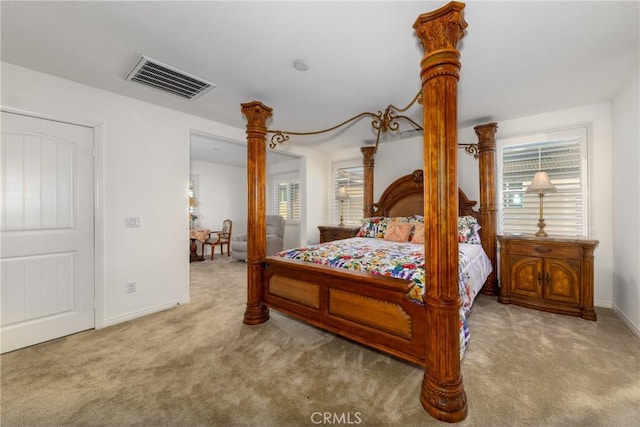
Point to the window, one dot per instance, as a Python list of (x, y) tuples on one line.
[(286, 199), (352, 179), (563, 155)]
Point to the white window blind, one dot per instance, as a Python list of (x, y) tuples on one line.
[(352, 179), (563, 156), (286, 200)]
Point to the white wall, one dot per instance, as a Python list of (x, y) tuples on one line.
[(317, 169), (626, 204), (396, 158), (221, 194), (143, 170)]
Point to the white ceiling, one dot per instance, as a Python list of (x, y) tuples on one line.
[(519, 58), (207, 148)]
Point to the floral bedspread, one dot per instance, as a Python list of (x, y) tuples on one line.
[(403, 261)]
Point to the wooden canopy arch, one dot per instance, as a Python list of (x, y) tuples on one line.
[(442, 392)]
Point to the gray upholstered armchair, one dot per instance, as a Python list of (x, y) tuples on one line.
[(275, 240)]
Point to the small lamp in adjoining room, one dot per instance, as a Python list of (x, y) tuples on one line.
[(193, 203), (342, 196), (541, 185)]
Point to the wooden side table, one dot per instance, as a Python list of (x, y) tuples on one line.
[(194, 235), (329, 233), (550, 274)]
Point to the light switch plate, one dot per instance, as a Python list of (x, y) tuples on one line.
[(134, 221)]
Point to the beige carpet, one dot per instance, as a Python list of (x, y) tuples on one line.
[(198, 365)]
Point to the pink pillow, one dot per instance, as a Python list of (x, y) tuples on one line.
[(398, 231), (418, 233)]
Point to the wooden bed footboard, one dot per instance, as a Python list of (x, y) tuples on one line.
[(369, 309)]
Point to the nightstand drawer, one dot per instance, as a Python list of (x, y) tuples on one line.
[(546, 249), (329, 233), (333, 235)]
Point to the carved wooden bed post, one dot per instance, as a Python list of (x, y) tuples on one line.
[(442, 393), (367, 166), (488, 210), (257, 115)]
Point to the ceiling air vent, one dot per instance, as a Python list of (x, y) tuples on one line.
[(161, 76)]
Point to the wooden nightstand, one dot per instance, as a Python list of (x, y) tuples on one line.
[(329, 233), (550, 274)]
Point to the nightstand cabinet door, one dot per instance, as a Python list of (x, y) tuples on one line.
[(562, 281), (550, 274), (527, 276)]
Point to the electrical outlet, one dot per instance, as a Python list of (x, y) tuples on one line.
[(131, 287)]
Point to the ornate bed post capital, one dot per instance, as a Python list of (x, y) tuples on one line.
[(368, 155), (439, 32), (442, 28), (257, 115), (486, 136)]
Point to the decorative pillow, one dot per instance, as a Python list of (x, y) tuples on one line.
[(468, 228), (374, 226), (384, 225), (418, 233), (416, 218), (398, 231)]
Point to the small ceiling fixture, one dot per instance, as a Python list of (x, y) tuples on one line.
[(300, 65), (153, 73)]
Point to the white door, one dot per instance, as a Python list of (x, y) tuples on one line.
[(46, 230)]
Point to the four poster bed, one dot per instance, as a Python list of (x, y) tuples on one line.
[(375, 310), (379, 299)]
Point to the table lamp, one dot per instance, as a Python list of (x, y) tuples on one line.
[(541, 185), (342, 196)]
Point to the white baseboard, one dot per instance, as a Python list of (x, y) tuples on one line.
[(140, 313), (601, 303), (627, 321)]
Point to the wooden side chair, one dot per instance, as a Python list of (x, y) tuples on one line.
[(221, 238)]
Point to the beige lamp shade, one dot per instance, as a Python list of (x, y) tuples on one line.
[(541, 184), (342, 194)]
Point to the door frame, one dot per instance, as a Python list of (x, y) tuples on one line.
[(98, 203)]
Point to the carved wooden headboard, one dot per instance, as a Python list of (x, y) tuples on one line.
[(405, 197)]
